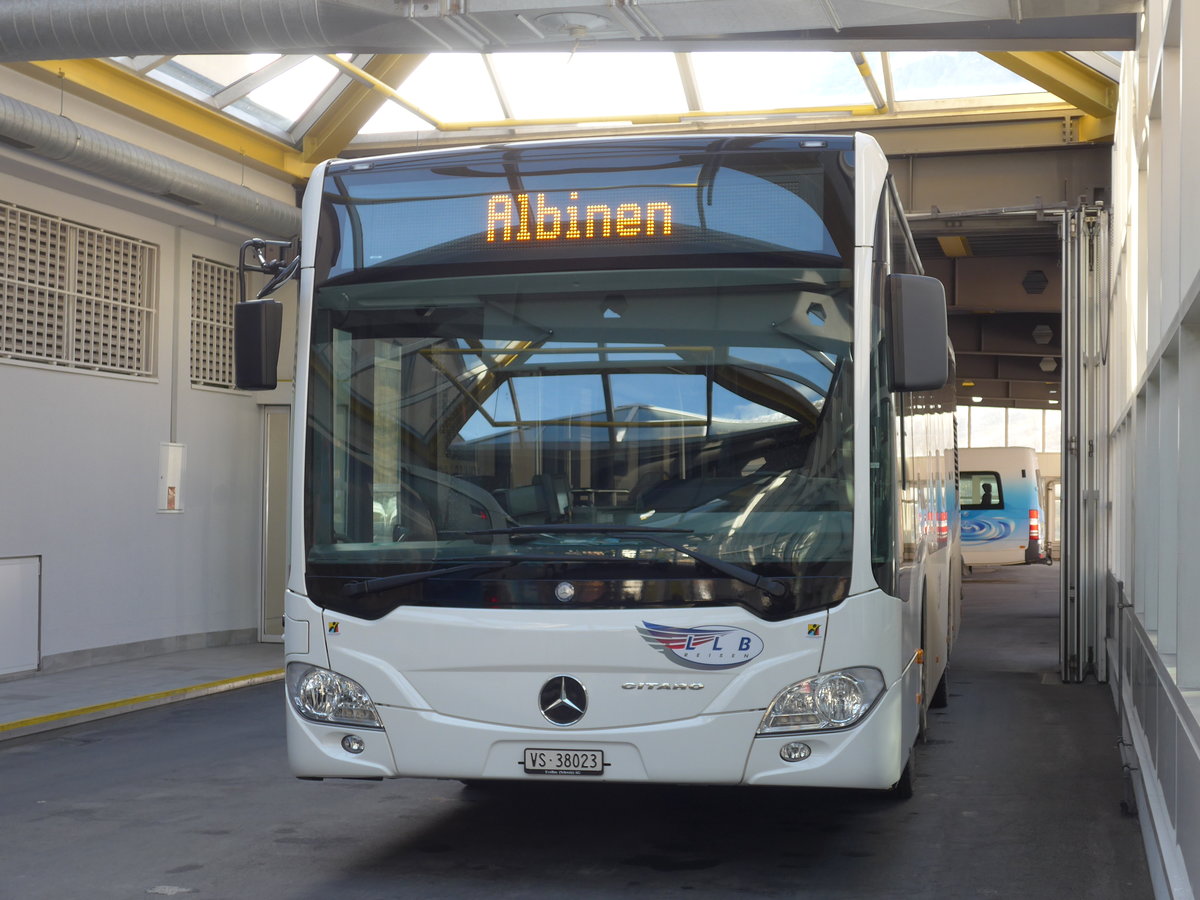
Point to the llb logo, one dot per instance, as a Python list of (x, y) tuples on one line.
[(707, 647)]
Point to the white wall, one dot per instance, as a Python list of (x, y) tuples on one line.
[(79, 452), (1154, 440)]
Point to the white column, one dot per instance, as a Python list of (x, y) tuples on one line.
[(1168, 506), (1145, 507), (1187, 502)]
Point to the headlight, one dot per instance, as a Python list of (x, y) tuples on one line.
[(325, 696), (824, 702)]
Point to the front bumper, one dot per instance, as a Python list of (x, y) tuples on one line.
[(713, 749)]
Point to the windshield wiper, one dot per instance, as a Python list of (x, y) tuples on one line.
[(772, 586), (387, 582), (577, 528)]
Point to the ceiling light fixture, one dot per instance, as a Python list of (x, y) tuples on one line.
[(1035, 281), (573, 24)]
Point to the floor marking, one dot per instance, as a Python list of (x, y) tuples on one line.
[(174, 693)]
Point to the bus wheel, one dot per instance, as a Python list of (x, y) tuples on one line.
[(941, 693)]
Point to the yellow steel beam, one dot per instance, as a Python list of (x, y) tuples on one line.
[(663, 118), (374, 84), (955, 245), (1065, 77), (986, 128), (1092, 129), (114, 87), (868, 77)]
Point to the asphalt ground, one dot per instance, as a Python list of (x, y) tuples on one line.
[(1018, 794)]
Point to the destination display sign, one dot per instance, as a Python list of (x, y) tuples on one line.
[(522, 217), (761, 201)]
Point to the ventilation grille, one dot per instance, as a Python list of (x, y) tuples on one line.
[(75, 296), (214, 291)]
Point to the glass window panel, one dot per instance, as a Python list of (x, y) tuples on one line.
[(987, 426), (1025, 428), (980, 490), (964, 426), (1053, 430), (742, 81), (394, 118), (658, 397), (294, 91), (257, 115), (453, 87), (875, 62), (496, 416), (556, 85), (224, 69), (946, 75), (1106, 63)]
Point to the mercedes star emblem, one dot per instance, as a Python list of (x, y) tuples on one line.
[(563, 700)]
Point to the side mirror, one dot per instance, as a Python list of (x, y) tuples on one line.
[(257, 331), (916, 307)]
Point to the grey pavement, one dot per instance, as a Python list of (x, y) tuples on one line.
[(46, 701)]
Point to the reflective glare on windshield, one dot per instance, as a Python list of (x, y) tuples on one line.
[(445, 414)]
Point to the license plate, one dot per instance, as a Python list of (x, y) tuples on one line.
[(544, 761)]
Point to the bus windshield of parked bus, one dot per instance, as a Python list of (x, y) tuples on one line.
[(631, 370)]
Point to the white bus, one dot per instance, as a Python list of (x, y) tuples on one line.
[(619, 459)]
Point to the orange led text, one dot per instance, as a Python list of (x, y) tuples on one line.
[(525, 217)]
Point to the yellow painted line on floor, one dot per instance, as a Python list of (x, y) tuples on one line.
[(174, 693)]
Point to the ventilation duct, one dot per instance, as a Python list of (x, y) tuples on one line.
[(53, 137), (75, 29)]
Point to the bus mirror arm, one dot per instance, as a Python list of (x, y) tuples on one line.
[(258, 324), (284, 274), (280, 269), (919, 333)]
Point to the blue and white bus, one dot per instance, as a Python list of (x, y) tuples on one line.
[(618, 459), (1001, 507)]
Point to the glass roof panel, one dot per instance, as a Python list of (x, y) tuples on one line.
[(392, 118), (294, 91), (944, 75), (1106, 62), (285, 95), (453, 87), (583, 85), (781, 80), (259, 116), (224, 69)]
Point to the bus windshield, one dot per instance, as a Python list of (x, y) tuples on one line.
[(600, 423)]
